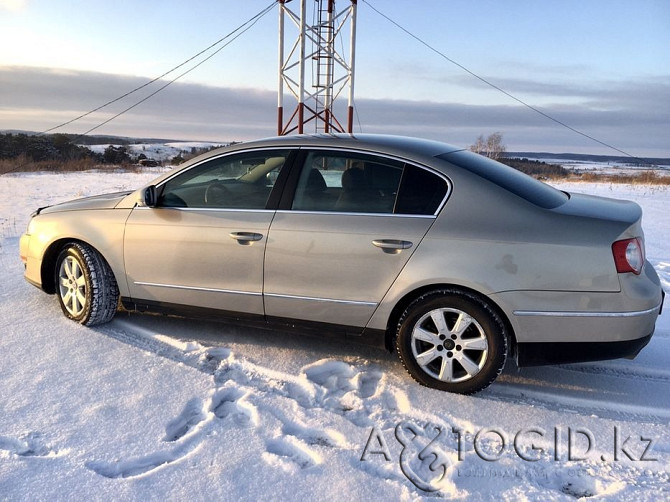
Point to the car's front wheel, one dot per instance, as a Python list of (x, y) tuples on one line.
[(85, 285), (452, 340)]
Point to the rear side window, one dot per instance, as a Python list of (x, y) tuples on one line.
[(421, 192), (347, 182), (506, 177)]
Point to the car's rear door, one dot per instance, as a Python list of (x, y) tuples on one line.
[(344, 233), (204, 242)]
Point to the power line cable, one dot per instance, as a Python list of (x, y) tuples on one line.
[(251, 20), (255, 20), (243, 28), (500, 89)]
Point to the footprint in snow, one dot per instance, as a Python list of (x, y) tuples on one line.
[(293, 450), (188, 419), (340, 377), (231, 402), (314, 436), (186, 432), (333, 375), (368, 383), (28, 445)]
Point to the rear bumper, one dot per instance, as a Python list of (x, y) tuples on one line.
[(541, 353), (538, 354), (585, 317)]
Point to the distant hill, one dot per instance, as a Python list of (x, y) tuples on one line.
[(545, 156), (99, 139), (579, 157)]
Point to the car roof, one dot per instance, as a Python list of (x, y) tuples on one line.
[(393, 145)]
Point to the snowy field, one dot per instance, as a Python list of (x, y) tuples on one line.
[(615, 168), (154, 408), (162, 152)]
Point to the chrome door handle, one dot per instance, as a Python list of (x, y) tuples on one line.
[(391, 245), (245, 237)]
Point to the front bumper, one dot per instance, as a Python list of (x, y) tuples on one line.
[(33, 265), (24, 246)]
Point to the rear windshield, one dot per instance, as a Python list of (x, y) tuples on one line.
[(506, 177)]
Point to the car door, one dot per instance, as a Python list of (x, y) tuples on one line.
[(352, 222), (203, 243)]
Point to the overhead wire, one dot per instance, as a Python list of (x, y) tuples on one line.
[(235, 34), (249, 22), (498, 88)]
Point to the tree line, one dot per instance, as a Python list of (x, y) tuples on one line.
[(43, 147)]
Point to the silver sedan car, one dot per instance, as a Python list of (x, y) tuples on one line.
[(453, 260)]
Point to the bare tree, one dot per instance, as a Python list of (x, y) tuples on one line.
[(479, 146), (492, 146)]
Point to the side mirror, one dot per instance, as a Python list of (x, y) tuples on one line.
[(150, 197)]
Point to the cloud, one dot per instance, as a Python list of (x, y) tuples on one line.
[(633, 116)]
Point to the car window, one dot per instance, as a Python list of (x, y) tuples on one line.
[(347, 182), (506, 177), (358, 183), (421, 191), (236, 181)]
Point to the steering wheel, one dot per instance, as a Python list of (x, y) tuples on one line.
[(216, 194)]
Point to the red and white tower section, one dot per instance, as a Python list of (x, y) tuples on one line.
[(332, 74)]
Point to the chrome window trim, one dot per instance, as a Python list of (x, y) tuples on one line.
[(211, 209), (340, 213), (315, 299), (390, 157), (194, 288), (638, 313)]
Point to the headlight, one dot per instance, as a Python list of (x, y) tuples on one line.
[(31, 225)]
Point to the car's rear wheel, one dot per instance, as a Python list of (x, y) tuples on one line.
[(452, 340), (85, 285)]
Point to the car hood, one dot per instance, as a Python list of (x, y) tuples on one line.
[(105, 201)]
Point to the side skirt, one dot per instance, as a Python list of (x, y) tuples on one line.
[(358, 334)]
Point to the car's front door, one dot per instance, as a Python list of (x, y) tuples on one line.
[(353, 222), (203, 243)]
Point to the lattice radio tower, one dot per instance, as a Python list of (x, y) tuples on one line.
[(331, 72)]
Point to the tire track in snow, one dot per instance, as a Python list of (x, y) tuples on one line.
[(636, 389), (621, 371), (618, 392)]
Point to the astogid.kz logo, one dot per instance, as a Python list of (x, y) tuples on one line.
[(425, 462), (420, 451), (422, 460)]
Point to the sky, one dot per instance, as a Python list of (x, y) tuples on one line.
[(599, 66)]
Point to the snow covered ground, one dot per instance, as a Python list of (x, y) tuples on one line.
[(162, 152), (616, 168), (154, 408)]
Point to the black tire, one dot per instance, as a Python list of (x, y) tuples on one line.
[(462, 358), (85, 285)]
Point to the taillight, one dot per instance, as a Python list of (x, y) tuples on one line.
[(629, 255)]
